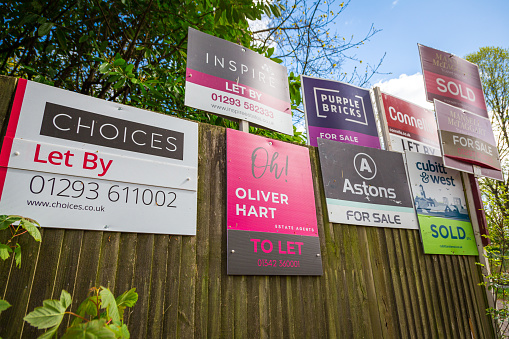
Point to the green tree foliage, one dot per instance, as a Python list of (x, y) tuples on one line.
[(493, 65), (134, 51), (304, 37)]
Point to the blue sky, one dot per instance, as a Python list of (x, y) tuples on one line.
[(458, 27)]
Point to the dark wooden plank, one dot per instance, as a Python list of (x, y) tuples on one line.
[(19, 288), (253, 306), (171, 301), (446, 311), (264, 304), (297, 307), (473, 316), (65, 278), (357, 289), (310, 309), (409, 282), (346, 329), (452, 295), (87, 267), (157, 286), (240, 306), (139, 319), (227, 311), (408, 241), (385, 300), (276, 328), (187, 288), (125, 267), (406, 324), (44, 276), (374, 315), (207, 182), (212, 222), (475, 275), (107, 269), (429, 285), (287, 308)]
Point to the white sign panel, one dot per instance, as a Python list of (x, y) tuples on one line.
[(73, 161), (233, 81)]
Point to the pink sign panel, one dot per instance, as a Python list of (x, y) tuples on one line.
[(270, 188), (271, 214)]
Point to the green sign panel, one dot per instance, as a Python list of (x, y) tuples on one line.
[(441, 206), (447, 236)]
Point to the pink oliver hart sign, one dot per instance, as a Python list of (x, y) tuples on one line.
[(271, 225), (269, 186)]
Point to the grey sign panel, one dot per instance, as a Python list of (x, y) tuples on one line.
[(365, 186), (263, 253)]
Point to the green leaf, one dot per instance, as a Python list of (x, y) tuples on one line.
[(109, 303), (119, 84), (83, 38), (17, 255), (8, 220), (86, 307), (45, 28), (62, 40), (94, 329), (48, 315), (29, 19), (105, 67), (129, 68), (65, 299), (5, 251), (119, 62), (49, 333), (276, 60), (4, 304), (126, 299), (31, 229)]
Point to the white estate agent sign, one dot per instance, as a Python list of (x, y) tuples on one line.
[(233, 81), (73, 161)]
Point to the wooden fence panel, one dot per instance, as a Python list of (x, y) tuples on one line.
[(377, 283)]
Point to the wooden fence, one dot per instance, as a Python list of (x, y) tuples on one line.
[(377, 282)]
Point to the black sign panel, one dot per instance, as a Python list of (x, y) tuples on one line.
[(78, 125), (263, 253)]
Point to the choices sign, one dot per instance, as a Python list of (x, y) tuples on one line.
[(452, 80), (441, 206), (338, 112), (365, 186), (466, 136), (73, 161), (411, 127), (233, 81), (272, 227)]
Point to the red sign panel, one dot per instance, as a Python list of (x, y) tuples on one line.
[(410, 121), (452, 80)]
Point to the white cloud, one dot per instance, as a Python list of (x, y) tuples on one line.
[(394, 3), (407, 87)]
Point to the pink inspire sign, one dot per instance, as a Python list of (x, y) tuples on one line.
[(270, 188)]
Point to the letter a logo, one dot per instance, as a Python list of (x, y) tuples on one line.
[(364, 166)]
